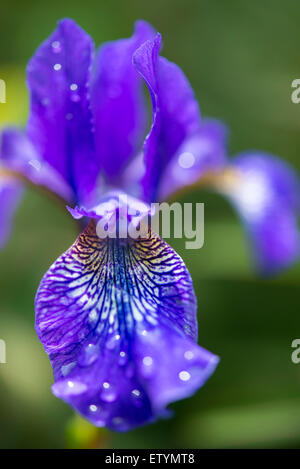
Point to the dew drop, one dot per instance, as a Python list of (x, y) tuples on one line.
[(70, 388), (108, 394), (122, 358), (89, 355), (136, 392), (75, 98), (189, 355), (117, 421), (65, 369), (56, 47), (186, 160), (93, 408), (147, 361), (73, 87), (184, 375), (45, 102), (57, 67)]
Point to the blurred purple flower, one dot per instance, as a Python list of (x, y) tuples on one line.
[(118, 317)]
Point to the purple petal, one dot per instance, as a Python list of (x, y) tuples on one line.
[(18, 155), (10, 195), (203, 151), (114, 203), (266, 193), (117, 102), (60, 124), (118, 320), (176, 114)]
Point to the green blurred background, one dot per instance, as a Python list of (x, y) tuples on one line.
[(241, 58)]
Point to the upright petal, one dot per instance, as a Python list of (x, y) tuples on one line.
[(118, 320), (176, 114), (60, 124), (10, 195), (266, 193), (19, 156), (117, 102)]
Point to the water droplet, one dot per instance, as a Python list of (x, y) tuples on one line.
[(65, 369), (186, 160), (73, 87), (45, 102), (57, 67), (122, 358), (147, 361), (117, 421), (89, 355), (136, 392), (108, 394), (93, 408), (56, 47), (189, 355), (64, 388), (184, 375), (75, 98)]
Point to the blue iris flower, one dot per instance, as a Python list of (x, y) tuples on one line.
[(118, 317)]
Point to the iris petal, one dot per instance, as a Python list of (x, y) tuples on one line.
[(19, 156), (266, 193), (202, 152), (118, 320), (176, 114), (117, 102), (60, 124)]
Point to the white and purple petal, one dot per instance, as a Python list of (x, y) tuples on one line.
[(176, 114), (118, 103), (60, 122), (266, 193), (118, 320)]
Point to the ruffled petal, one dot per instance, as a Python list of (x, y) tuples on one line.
[(117, 102), (60, 124), (202, 152), (10, 196), (19, 156), (118, 320), (266, 193), (176, 114)]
